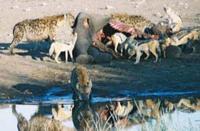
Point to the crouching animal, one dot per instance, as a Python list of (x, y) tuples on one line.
[(40, 29), (183, 38), (81, 83), (193, 104), (58, 47)]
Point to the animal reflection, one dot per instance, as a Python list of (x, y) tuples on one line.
[(41, 122), (122, 114), (100, 116), (115, 115)]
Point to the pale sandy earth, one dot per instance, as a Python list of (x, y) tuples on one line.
[(21, 74)]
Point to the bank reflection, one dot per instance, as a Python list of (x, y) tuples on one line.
[(148, 114)]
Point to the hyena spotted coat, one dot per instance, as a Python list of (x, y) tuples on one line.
[(39, 29), (81, 83)]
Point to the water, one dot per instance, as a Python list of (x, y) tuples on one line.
[(170, 114), (142, 111)]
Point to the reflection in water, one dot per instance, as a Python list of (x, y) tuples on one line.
[(148, 114)]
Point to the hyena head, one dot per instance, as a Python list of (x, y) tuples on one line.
[(81, 83)]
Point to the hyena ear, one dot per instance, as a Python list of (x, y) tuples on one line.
[(86, 23)]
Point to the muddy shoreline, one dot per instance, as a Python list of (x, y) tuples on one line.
[(120, 78)]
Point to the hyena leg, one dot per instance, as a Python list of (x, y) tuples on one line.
[(56, 57), (71, 55), (147, 54), (138, 55)]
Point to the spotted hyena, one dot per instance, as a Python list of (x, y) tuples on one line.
[(39, 29), (81, 83), (137, 21)]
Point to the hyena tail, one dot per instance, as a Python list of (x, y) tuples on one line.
[(51, 50), (19, 31), (18, 34), (22, 122)]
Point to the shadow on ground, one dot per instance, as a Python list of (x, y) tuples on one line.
[(35, 50)]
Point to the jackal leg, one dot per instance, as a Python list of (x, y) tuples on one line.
[(71, 55), (56, 57), (147, 54), (153, 51)]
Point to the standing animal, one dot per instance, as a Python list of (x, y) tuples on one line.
[(192, 35), (174, 21), (181, 38), (39, 29), (67, 47), (151, 46), (117, 39), (81, 83)]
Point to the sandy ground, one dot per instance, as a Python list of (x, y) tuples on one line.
[(31, 73)]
